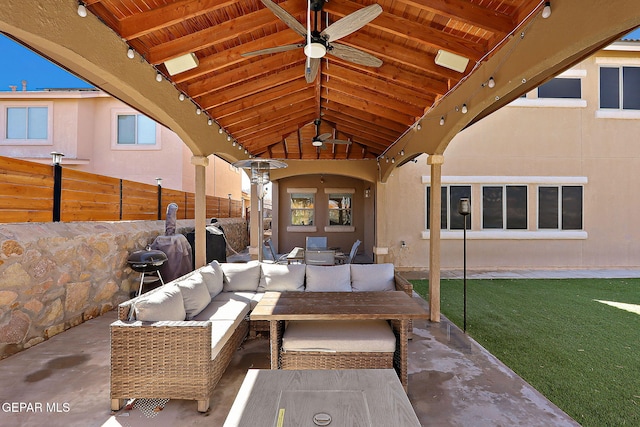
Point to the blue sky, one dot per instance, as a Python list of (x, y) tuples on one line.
[(22, 64)]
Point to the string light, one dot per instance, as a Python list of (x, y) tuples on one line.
[(198, 111), (419, 126), (546, 10), (130, 53), (158, 77), (491, 83), (229, 139), (82, 10), (442, 121), (464, 109), (402, 152), (181, 97), (210, 122)]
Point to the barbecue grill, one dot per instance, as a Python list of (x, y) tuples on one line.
[(147, 261)]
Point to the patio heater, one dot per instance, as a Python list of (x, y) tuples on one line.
[(464, 209), (260, 177)]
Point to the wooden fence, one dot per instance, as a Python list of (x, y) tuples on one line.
[(27, 195)]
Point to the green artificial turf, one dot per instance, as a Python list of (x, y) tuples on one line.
[(583, 355)]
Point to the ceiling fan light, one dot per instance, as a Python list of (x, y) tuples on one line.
[(315, 50), (316, 143)]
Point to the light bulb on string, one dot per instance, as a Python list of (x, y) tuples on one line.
[(130, 53), (158, 77), (546, 10), (464, 109), (181, 97), (442, 121), (491, 83), (82, 10)]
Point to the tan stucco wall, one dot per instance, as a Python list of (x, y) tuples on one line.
[(529, 141)]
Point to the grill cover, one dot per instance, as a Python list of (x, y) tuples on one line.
[(147, 261)]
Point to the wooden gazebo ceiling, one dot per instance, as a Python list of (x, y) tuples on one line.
[(265, 103)]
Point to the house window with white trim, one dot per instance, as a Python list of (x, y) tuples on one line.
[(27, 123), (135, 129), (302, 208), (340, 209), (620, 88), (560, 207), (450, 219), (504, 207)]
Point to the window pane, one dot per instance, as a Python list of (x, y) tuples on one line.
[(37, 123), (609, 87), (517, 207), (548, 207), (146, 130), (492, 207), (339, 209), (302, 209), (443, 207), (126, 129), (631, 88), (572, 208), (16, 123), (457, 192), (560, 88)]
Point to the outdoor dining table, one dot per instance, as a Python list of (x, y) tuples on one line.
[(396, 306)]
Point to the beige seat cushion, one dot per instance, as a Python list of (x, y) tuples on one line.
[(370, 336), (334, 278), (165, 303), (224, 310), (251, 298), (372, 277)]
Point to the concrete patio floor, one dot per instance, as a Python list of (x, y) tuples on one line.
[(64, 381)]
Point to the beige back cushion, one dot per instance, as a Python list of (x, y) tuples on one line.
[(213, 277), (372, 277), (282, 278), (243, 277), (164, 304), (194, 294), (333, 278)]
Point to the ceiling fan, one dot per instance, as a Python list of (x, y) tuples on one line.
[(318, 43), (319, 141)]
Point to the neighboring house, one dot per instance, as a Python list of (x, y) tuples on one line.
[(553, 178), (99, 134)]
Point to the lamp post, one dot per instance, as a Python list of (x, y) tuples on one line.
[(260, 177), (464, 209), (56, 159), (159, 182)]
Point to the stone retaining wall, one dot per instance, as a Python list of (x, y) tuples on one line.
[(54, 276)]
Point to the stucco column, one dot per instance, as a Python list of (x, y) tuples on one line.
[(436, 162), (200, 255)]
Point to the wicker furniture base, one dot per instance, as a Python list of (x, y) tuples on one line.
[(169, 360), (326, 360)]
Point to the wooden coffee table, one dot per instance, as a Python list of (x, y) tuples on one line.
[(395, 306), (353, 397)]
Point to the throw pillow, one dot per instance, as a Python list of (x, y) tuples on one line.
[(372, 277), (213, 277), (282, 278), (164, 304), (241, 277), (194, 293), (333, 278)]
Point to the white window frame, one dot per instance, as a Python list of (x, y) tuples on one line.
[(3, 123), (560, 212), (340, 228), (115, 112), (303, 228), (610, 113), (533, 101), (504, 206)]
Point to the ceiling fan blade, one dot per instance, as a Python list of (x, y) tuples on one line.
[(311, 72), (354, 55), (336, 141), (352, 22), (275, 49), (286, 17), (323, 137)]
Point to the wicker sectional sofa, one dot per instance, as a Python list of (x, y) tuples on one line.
[(177, 340)]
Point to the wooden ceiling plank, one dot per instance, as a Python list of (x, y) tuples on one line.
[(374, 109), (250, 71), (388, 51), (270, 97), (233, 55), (158, 18), (208, 37), (382, 86), (423, 34), (370, 96), (250, 88), (339, 120), (269, 111), (299, 120), (366, 116), (467, 12), (259, 121)]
